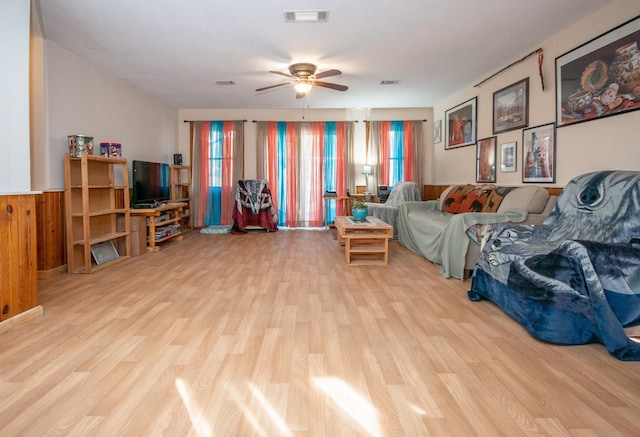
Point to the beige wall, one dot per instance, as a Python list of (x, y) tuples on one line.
[(359, 115), (84, 99), (14, 103), (607, 143)]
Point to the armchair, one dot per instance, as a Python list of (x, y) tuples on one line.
[(388, 211)]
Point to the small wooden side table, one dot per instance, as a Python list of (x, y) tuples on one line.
[(364, 243)]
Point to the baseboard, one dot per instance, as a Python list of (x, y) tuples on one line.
[(22, 318), (46, 274)]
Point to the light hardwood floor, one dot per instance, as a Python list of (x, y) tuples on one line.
[(274, 335)]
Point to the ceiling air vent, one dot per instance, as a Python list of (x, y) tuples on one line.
[(306, 16), (389, 82), (225, 82)]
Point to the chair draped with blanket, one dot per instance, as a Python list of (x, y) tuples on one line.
[(254, 207), (388, 211)]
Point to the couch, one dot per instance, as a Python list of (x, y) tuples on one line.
[(388, 211), (575, 279), (448, 231)]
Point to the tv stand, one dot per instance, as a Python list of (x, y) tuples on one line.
[(149, 205), (159, 227)]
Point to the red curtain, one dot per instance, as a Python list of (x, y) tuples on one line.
[(408, 169), (205, 133), (228, 184)]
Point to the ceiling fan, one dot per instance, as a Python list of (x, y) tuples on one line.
[(304, 78)]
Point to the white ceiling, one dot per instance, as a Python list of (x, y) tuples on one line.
[(176, 50)]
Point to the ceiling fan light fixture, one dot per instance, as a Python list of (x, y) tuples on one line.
[(303, 87)]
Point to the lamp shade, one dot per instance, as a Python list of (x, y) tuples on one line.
[(366, 169)]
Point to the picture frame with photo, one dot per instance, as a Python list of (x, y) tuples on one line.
[(461, 125), (486, 160), (437, 132), (511, 107), (539, 153), (508, 157), (601, 77)]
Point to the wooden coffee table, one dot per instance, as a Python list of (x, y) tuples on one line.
[(364, 243)]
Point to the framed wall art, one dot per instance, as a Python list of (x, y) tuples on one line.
[(511, 107), (508, 152), (486, 160), (601, 77), (461, 124), (437, 132), (539, 153)]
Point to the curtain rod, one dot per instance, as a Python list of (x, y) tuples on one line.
[(423, 120), (355, 121), (191, 121), (296, 121)]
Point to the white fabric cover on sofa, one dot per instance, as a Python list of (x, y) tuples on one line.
[(388, 211), (441, 237)]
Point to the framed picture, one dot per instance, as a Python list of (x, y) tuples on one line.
[(539, 153), (437, 132), (601, 77), (486, 160), (508, 153), (511, 107), (460, 125)]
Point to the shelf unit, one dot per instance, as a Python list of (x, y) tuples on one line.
[(180, 181), (96, 211), (157, 223)]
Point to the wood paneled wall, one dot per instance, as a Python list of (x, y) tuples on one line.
[(52, 255), (433, 192), (18, 255)]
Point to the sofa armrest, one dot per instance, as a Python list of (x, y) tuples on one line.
[(456, 241), (426, 206), (538, 219)]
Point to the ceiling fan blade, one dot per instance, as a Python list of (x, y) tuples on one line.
[(281, 73), (273, 86), (333, 86), (300, 95), (328, 73)]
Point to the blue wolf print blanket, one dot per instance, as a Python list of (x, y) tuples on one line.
[(576, 278)]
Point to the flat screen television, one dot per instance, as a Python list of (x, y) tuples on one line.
[(150, 184)]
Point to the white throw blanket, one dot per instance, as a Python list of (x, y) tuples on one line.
[(441, 237)]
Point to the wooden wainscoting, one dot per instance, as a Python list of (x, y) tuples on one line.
[(18, 287), (432, 192), (52, 254)]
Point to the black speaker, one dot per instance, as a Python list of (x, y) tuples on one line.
[(177, 158), (383, 193)]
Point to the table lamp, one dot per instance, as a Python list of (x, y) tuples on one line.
[(366, 171)]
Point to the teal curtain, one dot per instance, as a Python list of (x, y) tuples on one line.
[(282, 172), (330, 159), (396, 153), (214, 198)]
